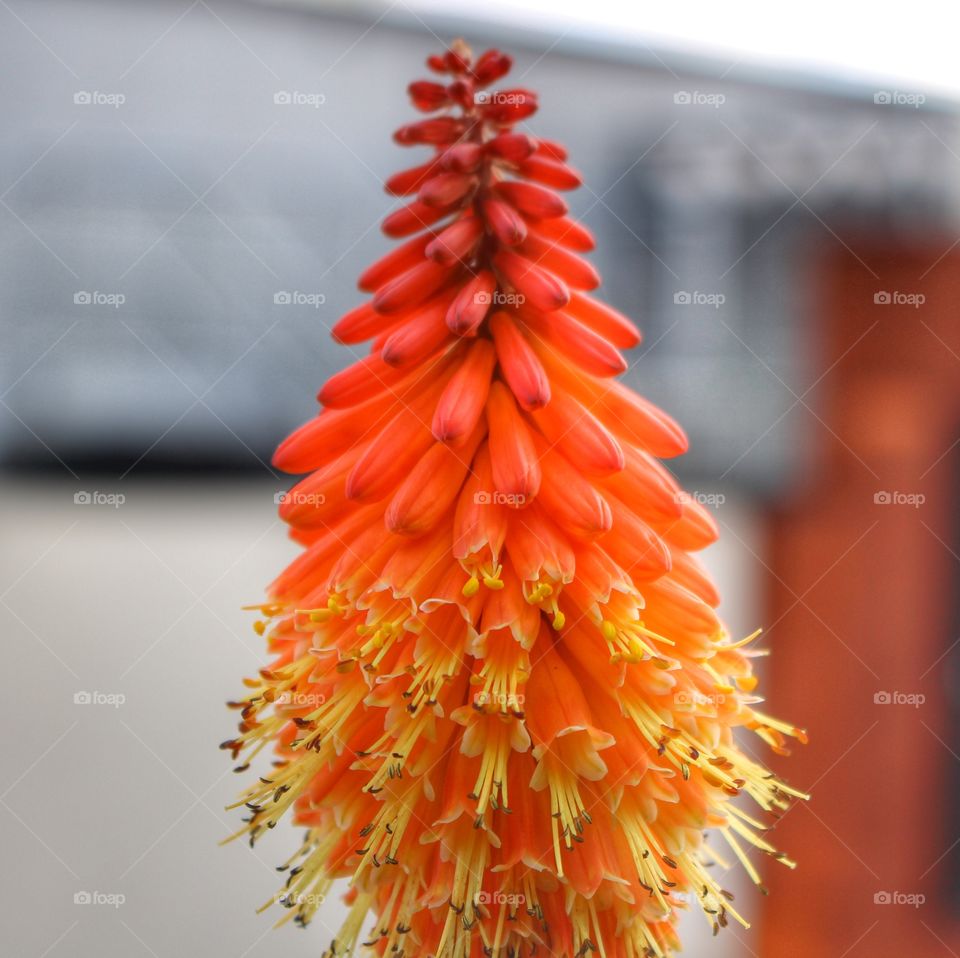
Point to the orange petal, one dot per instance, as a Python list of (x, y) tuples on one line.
[(688, 572), (538, 286), (310, 569), (604, 320), (516, 470), (550, 172), (556, 706), (445, 189), (432, 486), (412, 287), (479, 523), (395, 451), (566, 232), (648, 487), (504, 221), (579, 436), (570, 500), (465, 396), (416, 565), (668, 601), (532, 200), (409, 181), (360, 324), (634, 546), (640, 422), (321, 496), (573, 270), (695, 529), (507, 608), (325, 436), (420, 337), (412, 218), (457, 242), (624, 413), (551, 149), (472, 303), (356, 383), (561, 334), (518, 362), (538, 548), (397, 261)]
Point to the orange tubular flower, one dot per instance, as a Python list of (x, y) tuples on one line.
[(501, 701)]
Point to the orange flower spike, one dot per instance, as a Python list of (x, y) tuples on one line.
[(501, 699)]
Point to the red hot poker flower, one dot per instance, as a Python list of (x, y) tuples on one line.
[(501, 700)]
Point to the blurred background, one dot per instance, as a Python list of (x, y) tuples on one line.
[(187, 193)]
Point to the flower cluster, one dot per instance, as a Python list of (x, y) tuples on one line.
[(500, 699)]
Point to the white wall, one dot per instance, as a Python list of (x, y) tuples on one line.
[(144, 601)]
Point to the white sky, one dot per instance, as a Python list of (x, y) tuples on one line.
[(911, 47)]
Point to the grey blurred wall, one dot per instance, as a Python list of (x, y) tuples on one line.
[(201, 200)]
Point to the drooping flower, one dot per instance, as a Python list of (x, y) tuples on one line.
[(499, 698)]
